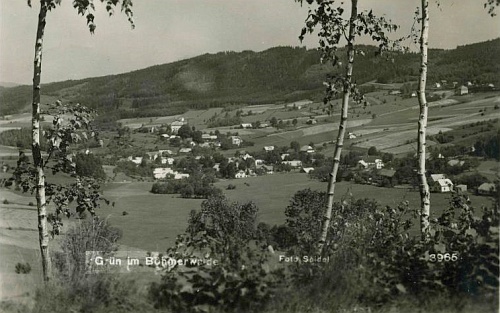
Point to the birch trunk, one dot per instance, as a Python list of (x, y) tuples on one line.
[(342, 128), (43, 234), (425, 201)]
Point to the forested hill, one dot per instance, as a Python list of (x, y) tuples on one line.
[(276, 74)]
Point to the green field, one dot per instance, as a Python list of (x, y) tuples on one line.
[(154, 220)]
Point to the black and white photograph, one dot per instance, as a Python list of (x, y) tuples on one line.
[(268, 156)]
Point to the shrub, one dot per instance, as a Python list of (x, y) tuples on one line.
[(5, 201), (31, 204), (242, 279), (124, 213), (23, 268), (231, 187)]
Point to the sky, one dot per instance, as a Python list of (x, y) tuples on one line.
[(171, 30)]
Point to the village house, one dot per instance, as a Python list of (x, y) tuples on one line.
[(181, 175), (455, 162), (168, 161), (137, 160), (307, 149), (246, 156), (165, 152), (371, 162), (307, 170), (268, 148), (152, 155), (293, 163), (462, 90), (246, 125), (269, 169), (176, 125), (259, 162), (462, 188), (236, 140), (386, 174), (487, 189), (351, 135), (162, 172), (240, 174), (185, 150), (208, 137), (439, 183), (284, 156)]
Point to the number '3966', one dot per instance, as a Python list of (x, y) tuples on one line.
[(443, 257)]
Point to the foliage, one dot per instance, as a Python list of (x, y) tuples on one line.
[(193, 186), (89, 165), (241, 280), (88, 235), (23, 268), (20, 138), (71, 125)]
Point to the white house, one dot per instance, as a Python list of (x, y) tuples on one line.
[(180, 175), (462, 90), (161, 172), (268, 148), (236, 140), (443, 185), (246, 125), (168, 161), (246, 156), (185, 150), (176, 125), (351, 136), (307, 170), (136, 160), (307, 149), (293, 163), (259, 162), (240, 174), (284, 156), (436, 177)]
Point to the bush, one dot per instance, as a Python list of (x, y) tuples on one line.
[(31, 204), (124, 213), (231, 187), (5, 201), (240, 281), (23, 268)]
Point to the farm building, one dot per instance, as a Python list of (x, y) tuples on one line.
[(268, 148), (246, 125), (136, 160), (284, 156), (436, 177), (307, 170), (181, 176), (442, 185), (307, 149), (487, 189), (293, 163), (462, 90), (236, 140), (185, 150), (462, 188), (269, 169), (371, 162), (386, 174), (455, 162), (161, 173), (176, 125), (240, 174)]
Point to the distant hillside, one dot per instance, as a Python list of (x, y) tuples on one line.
[(225, 78)]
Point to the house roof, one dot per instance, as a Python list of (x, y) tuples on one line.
[(436, 177), (487, 187), (445, 182)]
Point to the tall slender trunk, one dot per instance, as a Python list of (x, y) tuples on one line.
[(43, 234), (342, 128), (425, 196)]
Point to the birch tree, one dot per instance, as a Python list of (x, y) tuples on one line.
[(84, 8), (333, 29), (425, 195)]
